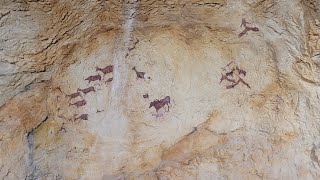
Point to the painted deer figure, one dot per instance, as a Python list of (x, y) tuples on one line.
[(105, 70), (139, 74), (79, 103), (93, 78), (87, 90), (158, 104), (74, 95)]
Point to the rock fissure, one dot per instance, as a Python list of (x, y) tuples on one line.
[(31, 165)]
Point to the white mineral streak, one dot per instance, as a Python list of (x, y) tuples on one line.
[(115, 131)]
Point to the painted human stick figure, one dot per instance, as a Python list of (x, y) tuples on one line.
[(225, 77), (93, 78), (242, 81), (63, 128), (158, 104), (230, 73), (139, 74), (86, 90), (239, 80), (79, 103), (234, 76)]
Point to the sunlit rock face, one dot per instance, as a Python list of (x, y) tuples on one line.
[(141, 89)]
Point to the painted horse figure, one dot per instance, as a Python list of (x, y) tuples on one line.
[(158, 104)]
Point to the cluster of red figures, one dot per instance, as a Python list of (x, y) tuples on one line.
[(83, 92), (234, 76), (157, 104)]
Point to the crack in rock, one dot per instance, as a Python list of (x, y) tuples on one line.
[(31, 166)]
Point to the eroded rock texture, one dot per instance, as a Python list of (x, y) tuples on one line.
[(258, 123)]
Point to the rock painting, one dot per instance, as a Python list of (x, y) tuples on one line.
[(87, 90), (93, 78), (81, 92), (247, 28), (105, 70), (140, 75), (234, 76), (158, 104), (146, 96)]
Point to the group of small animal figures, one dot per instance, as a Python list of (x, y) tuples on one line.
[(233, 76), (247, 28), (83, 92), (157, 104)]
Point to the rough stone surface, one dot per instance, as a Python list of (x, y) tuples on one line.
[(268, 131)]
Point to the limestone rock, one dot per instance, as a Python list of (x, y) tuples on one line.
[(241, 106)]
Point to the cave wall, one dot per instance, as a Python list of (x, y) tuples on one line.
[(263, 127)]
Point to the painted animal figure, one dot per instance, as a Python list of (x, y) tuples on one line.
[(243, 32), (105, 70), (158, 104), (87, 90), (109, 80), (225, 77), (253, 28), (248, 29), (83, 117), (139, 74), (74, 95), (244, 22), (93, 78), (79, 103)]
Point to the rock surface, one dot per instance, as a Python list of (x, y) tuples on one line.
[(268, 129)]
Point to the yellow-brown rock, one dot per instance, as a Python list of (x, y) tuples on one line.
[(261, 121)]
